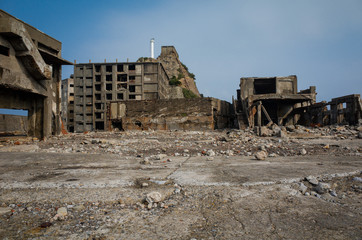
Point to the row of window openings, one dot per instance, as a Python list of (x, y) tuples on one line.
[(120, 78), (120, 68), (109, 87)]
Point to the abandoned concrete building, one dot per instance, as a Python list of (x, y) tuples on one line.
[(96, 84), (264, 101), (171, 114), (67, 110), (30, 74)]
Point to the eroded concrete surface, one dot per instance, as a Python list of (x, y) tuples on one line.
[(102, 182)]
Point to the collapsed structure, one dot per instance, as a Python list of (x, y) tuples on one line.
[(264, 101), (30, 74)]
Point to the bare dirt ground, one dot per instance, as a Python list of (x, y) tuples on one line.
[(183, 185)]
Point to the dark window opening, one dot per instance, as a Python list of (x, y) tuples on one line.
[(98, 96), (71, 111), (119, 68), (71, 94), (265, 86), (98, 87), (109, 77), (71, 85), (4, 51), (109, 68), (100, 125), (99, 105), (71, 120), (132, 88), (80, 68), (71, 102), (122, 77), (132, 96), (109, 96), (98, 68), (98, 78), (120, 96), (109, 87), (89, 78), (123, 85), (132, 78), (132, 67), (98, 115)]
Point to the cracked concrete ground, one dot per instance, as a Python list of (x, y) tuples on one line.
[(203, 197)]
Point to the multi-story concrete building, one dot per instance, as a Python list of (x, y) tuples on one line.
[(67, 110), (96, 84), (30, 74)]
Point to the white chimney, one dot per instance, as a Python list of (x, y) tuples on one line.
[(152, 48)]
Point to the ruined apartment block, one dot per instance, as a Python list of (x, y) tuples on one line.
[(67, 110), (96, 84), (30, 74), (264, 101)]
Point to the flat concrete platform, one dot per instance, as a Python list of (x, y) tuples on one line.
[(54, 170)]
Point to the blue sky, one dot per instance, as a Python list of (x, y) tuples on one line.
[(320, 41)]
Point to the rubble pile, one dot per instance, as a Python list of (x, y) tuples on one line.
[(157, 145)]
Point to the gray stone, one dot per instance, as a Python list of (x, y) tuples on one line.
[(303, 152), (357, 179), (302, 188), (333, 194), (322, 187), (290, 128), (154, 197), (210, 153), (261, 155), (4, 210), (312, 180)]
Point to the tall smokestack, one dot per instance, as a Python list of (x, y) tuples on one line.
[(152, 48)]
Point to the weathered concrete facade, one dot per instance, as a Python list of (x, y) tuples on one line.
[(99, 83), (67, 110), (13, 125), (263, 101), (30, 73), (171, 114)]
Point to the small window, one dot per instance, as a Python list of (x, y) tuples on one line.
[(98, 87), (120, 68), (109, 87), (4, 51), (98, 78), (100, 125), (98, 115), (98, 96), (120, 96), (109, 96), (109, 77), (71, 120), (122, 77), (109, 68), (132, 96), (71, 94), (132, 67), (71, 102), (132, 88), (99, 106), (132, 78), (98, 68), (71, 85), (80, 68), (89, 78), (71, 111)]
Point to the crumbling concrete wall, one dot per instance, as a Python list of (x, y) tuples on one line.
[(30, 73), (13, 125), (173, 114)]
